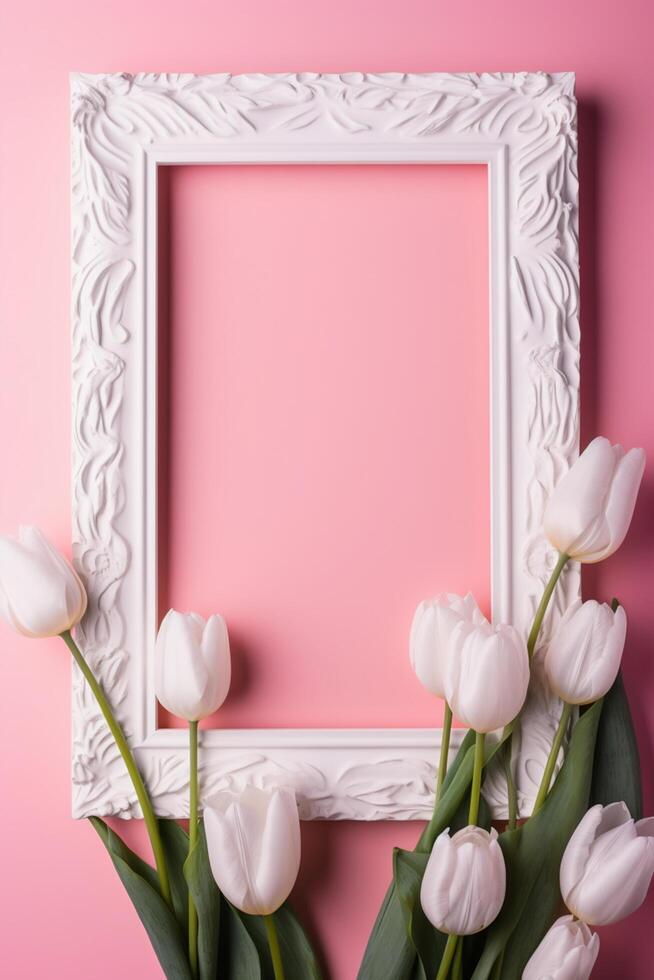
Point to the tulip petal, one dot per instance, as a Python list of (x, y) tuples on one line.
[(472, 611), (424, 649), (567, 952), (432, 627), (434, 890), (577, 851), (609, 842), (590, 509), (182, 676), (617, 887), (195, 625), (74, 591), (279, 860), (36, 590), (487, 675), (583, 656), (579, 963), (607, 865), (464, 882), (470, 888), (645, 827), (254, 847), (253, 805), (604, 670), (621, 502), (228, 857), (575, 509), (216, 654)]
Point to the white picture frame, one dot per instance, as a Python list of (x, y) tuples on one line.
[(522, 126)]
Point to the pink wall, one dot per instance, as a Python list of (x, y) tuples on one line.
[(64, 913), (327, 371)]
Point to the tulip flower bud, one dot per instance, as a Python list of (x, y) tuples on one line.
[(567, 952), (193, 668), (583, 657), (464, 882), (40, 594), (486, 675), (607, 865), (433, 622), (589, 512), (254, 847)]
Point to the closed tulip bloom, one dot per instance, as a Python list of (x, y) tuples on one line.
[(567, 952), (590, 509), (193, 667), (464, 882), (486, 675), (433, 622), (607, 865), (583, 657), (254, 847), (40, 593)]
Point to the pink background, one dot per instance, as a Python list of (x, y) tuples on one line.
[(65, 914), (325, 443)]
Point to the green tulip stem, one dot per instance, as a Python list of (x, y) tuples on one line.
[(511, 791), (475, 789), (544, 602), (448, 956), (130, 763), (192, 841), (544, 787), (445, 750), (273, 944), (457, 967), (532, 639)]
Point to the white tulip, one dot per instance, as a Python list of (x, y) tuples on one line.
[(607, 865), (464, 882), (567, 952), (486, 675), (40, 593), (433, 622), (583, 656), (590, 509), (193, 667), (254, 847)]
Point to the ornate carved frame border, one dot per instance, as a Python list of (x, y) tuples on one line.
[(523, 127)]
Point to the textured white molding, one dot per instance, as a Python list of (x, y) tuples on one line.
[(523, 126)]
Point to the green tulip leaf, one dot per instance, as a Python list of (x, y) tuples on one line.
[(457, 780), (136, 863), (455, 788), (390, 952), (175, 844), (206, 897), (141, 885), (408, 870), (298, 958), (238, 956), (532, 855), (542, 908), (472, 950), (616, 768)]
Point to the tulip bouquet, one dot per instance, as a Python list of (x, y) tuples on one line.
[(215, 904), (470, 902)]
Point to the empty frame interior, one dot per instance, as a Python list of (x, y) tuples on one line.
[(323, 443)]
